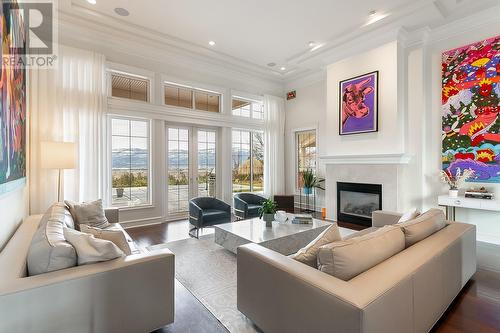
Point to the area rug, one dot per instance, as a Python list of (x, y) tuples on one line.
[(208, 271)]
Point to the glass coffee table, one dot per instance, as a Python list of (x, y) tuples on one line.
[(284, 237)]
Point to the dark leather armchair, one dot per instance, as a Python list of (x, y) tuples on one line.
[(206, 211), (246, 205)]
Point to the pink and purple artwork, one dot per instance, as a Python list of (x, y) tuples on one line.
[(358, 104)]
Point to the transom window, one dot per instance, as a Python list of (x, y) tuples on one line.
[(191, 98), (130, 161), (247, 108), (248, 161), (306, 153), (129, 86)]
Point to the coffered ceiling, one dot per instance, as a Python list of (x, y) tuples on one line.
[(294, 35)]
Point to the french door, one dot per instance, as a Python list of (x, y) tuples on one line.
[(191, 166)]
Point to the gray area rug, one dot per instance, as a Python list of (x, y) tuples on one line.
[(208, 271)]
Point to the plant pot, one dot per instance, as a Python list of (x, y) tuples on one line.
[(119, 192), (269, 218), (307, 190), (453, 193)]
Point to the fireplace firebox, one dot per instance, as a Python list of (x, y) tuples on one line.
[(357, 201)]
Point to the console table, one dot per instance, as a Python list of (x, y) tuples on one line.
[(462, 202)]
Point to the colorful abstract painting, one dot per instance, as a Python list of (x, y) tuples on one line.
[(12, 100), (358, 104), (470, 110)]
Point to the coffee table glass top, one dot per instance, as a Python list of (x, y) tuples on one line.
[(255, 229)]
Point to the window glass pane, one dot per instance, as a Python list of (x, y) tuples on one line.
[(129, 87), (258, 110), (306, 154), (179, 96), (258, 161), (241, 107), (130, 162), (139, 129)]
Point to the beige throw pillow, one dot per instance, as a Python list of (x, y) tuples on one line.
[(423, 226), (90, 249), (91, 213), (115, 236), (308, 254), (346, 259)]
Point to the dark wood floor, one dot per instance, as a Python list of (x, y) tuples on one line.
[(475, 310)]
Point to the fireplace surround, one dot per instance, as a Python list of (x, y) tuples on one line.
[(357, 201)]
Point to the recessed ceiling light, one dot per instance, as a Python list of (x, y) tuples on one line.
[(211, 43), (271, 64), (122, 11), (282, 68), (92, 2), (317, 46), (311, 44), (372, 12), (375, 16)]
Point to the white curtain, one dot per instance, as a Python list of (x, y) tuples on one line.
[(274, 145), (68, 104)]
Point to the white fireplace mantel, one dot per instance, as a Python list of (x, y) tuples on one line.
[(398, 158)]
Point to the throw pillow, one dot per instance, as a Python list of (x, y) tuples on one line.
[(423, 226), (91, 213), (409, 215), (115, 236), (49, 250), (308, 254), (348, 258), (90, 249)]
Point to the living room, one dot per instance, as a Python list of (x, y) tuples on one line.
[(210, 166)]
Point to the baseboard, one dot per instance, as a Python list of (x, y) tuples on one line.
[(488, 256), (142, 222)]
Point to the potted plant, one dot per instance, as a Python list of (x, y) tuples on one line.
[(267, 211), (119, 192), (309, 181), (455, 181)]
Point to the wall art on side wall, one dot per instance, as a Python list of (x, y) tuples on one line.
[(470, 110), (358, 104), (12, 101)]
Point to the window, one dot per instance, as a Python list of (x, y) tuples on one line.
[(128, 86), (306, 153), (246, 108), (248, 161), (130, 161), (191, 98)]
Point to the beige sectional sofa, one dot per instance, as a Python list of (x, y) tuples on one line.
[(407, 293), (134, 293)]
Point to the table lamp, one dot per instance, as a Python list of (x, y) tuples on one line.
[(58, 155)]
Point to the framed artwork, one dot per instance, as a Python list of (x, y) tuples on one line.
[(358, 104), (12, 101), (470, 110)]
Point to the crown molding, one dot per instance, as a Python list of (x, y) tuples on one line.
[(397, 158)]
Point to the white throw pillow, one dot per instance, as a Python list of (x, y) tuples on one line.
[(409, 215), (115, 236), (308, 254), (90, 213), (90, 249)]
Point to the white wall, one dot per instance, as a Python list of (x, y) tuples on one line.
[(305, 112), (388, 138), (13, 209)]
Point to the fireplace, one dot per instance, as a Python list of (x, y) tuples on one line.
[(356, 202)]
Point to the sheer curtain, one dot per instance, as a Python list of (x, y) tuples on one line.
[(274, 145), (68, 104)]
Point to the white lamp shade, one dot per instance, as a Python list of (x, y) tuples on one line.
[(58, 155)]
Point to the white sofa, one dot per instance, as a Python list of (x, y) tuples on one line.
[(129, 294), (406, 293)]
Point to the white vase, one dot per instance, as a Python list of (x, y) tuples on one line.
[(453, 193)]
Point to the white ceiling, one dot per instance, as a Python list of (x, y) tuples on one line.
[(258, 32)]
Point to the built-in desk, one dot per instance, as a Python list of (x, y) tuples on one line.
[(462, 202)]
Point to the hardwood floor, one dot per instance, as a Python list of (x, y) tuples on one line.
[(476, 309)]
